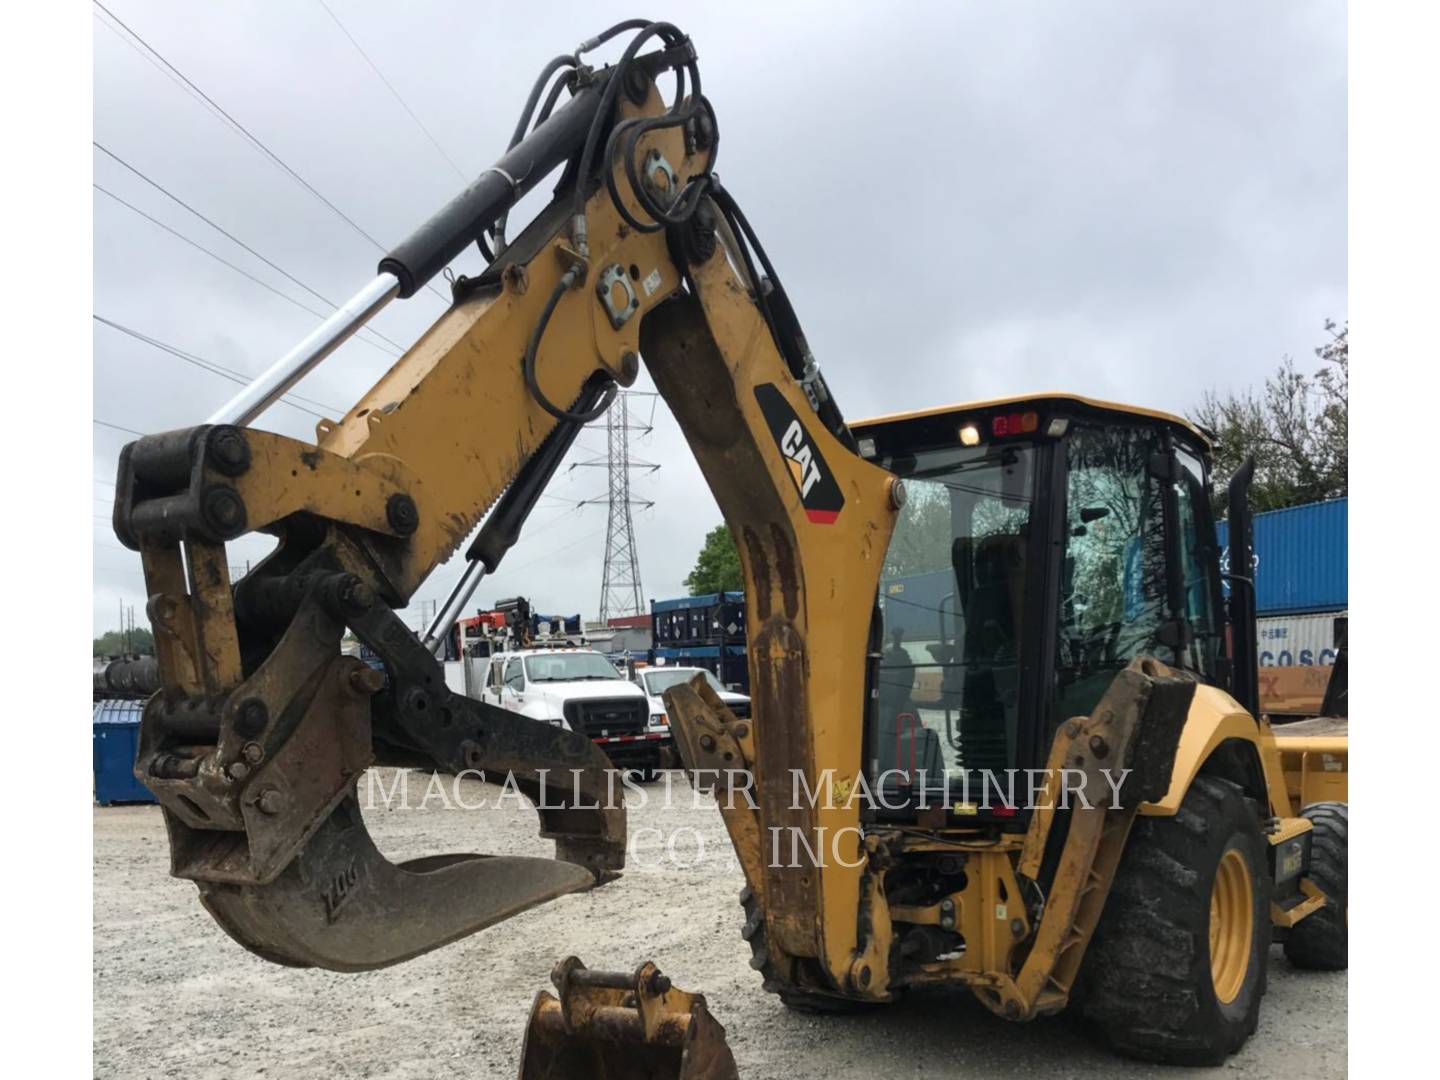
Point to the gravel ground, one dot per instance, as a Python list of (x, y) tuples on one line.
[(175, 996)]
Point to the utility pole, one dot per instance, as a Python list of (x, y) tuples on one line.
[(620, 590)]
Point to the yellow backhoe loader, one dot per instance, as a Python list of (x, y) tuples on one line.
[(1004, 729)]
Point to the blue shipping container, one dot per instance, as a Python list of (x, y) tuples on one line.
[(682, 603), (1302, 558), (115, 738)]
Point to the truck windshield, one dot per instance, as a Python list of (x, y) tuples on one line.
[(657, 682), (568, 667), (952, 598)]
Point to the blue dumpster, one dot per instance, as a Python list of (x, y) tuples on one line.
[(116, 737)]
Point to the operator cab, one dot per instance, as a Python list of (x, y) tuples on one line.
[(1044, 543)]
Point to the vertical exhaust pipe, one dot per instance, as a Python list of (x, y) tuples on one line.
[(1244, 658)]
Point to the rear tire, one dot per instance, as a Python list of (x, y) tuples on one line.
[(1321, 941), (1171, 933)]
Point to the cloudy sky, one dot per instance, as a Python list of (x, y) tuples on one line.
[(1124, 199)]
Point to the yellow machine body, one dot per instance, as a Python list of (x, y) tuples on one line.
[(261, 728)]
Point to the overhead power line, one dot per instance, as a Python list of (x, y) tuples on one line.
[(221, 114), (226, 262), (240, 128), (117, 427), (395, 93), (214, 368), (229, 236)]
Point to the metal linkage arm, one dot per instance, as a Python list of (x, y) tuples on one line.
[(255, 743)]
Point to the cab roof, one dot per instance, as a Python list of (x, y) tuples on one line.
[(1033, 399)]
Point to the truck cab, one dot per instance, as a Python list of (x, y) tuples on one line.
[(580, 689)]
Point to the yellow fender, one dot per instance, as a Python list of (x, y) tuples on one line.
[(1216, 719)]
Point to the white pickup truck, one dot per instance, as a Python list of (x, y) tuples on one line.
[(580, 690), (656, 680)]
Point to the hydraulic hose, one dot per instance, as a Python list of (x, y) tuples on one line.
[(532, 347)]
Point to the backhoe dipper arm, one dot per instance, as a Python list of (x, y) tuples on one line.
[(255, 742)]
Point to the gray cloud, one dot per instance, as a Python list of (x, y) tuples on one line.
[(1129, 200)]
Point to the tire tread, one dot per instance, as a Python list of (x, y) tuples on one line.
[(1320, 942), (1138, 983)]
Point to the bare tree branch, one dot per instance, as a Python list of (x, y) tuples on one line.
[(1297, 428)]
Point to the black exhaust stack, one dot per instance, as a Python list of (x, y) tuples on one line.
[(1244, 657)]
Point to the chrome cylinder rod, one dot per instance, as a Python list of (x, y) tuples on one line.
[(445, 618), (320, 343)]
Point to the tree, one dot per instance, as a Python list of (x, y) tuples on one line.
[(112, 643), (921, 542), (1297, 429), (717, 569)]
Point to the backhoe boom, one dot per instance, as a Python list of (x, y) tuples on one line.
[(256, 741)]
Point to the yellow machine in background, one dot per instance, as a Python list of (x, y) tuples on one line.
[(1077, 634)]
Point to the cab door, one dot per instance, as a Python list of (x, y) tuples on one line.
[(512, 691), (495, 682)]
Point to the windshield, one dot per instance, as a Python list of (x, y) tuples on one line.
[(657, 682), (952, 599), (569, 667)]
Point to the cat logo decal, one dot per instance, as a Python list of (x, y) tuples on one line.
[(819, 494)]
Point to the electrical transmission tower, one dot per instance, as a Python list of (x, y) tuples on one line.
[(620, 589)]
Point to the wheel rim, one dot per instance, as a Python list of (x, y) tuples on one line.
[(1232, 918)]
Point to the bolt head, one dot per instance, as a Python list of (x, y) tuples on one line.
[(253, 753), (629, 365), (401, 513), (251, 718), (227, 450), (223, 512), (271, 801), (366, 680)]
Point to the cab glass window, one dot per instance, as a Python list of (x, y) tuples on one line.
[(569, 667), (514, 676), (1198, 567), (952, 596), (1112, 581)]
